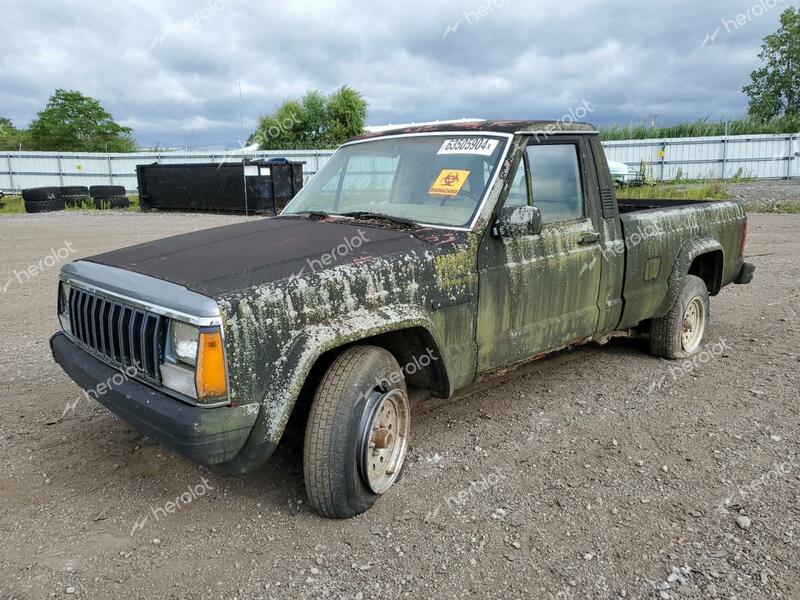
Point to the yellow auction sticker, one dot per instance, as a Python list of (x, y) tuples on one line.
[(449, 183)]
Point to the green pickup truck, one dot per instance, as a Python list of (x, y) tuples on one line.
[(413, 264)]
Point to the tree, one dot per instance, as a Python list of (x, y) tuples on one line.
[(72, 122), (314, 121), (10, 137), (775, 88), (347, 113)]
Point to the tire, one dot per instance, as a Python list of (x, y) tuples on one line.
[(121, 202), (74, 195), (362, 387), (41, 194), (116, 202), (679, 334), (75, 201), (48, 205), (106, 191), (74, 190)]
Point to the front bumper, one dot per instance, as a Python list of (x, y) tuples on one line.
[(207, 436), (745, 274)]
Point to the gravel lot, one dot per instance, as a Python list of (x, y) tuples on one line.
[(599, 473), (767, 195)]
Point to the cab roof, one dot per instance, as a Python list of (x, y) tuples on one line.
[(484, 126)]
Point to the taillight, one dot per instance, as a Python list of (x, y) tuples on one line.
[(744, 237)]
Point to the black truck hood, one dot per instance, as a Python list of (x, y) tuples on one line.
[(225, 259)]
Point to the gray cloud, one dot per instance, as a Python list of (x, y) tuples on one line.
[(171, 69)]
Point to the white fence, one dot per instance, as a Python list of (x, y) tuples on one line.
[(751, 156), (19, 170), (754, 156)]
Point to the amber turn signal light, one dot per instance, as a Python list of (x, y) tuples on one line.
[(210, 376)]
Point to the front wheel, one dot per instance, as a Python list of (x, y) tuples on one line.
[(680, 332), (357, 433)]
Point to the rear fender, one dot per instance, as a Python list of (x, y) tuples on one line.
[(688, 254)]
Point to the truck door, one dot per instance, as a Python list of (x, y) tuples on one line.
[(540, 292)]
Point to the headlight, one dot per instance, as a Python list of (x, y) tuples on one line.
[(184, 342), (194, 363), (63, 307)]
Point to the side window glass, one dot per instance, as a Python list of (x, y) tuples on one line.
[(518, 194), (556, 179)]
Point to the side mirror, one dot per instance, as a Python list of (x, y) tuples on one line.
[(518, 220)]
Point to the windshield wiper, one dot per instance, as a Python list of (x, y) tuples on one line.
[(371, 215)]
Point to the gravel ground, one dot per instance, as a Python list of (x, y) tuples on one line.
[(767, 195), (599, 473)]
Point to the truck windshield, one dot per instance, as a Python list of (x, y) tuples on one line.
[(427, 179)]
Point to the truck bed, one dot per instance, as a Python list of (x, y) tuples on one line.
[(658, 233)]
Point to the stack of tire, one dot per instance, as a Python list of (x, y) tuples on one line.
[(49, 199), (43, 199), (75, 195), (109, 196)]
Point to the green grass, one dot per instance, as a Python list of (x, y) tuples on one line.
[(15, 205), (700, 128), (679, 191)]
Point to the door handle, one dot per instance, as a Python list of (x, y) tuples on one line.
[(589, 238)]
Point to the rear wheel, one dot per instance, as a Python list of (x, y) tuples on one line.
[(681, 331), (357, 433)]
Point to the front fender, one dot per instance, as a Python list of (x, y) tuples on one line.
[(689, 252), (287, 376)]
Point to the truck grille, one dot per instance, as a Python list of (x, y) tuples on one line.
[(127, 337)]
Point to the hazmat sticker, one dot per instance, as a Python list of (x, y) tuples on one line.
[(471, 145), (449, 183)]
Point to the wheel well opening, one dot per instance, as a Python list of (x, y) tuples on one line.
[(708, 267), (418, 357), (414, 350)]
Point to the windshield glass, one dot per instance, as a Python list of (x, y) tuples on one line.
[(430, 179)]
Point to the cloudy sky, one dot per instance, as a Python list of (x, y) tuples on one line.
[(172, 69)]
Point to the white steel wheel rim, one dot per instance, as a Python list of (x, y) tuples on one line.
[(694, 325), (387, 442)]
